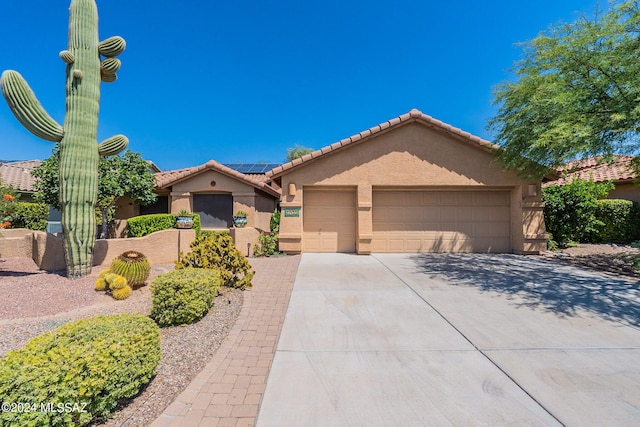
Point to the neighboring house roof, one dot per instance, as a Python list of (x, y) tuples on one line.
[(169, 178), (18, 175), (597, 169), (412, 116)]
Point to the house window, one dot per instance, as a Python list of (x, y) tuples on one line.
[(215, 210)]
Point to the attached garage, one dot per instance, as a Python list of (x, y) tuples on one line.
[(412, 184), (423, 220), (329, 220)]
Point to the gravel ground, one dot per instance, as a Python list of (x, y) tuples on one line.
[(35, 302), (612, 258)]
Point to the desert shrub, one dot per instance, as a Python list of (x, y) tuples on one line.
[(133, 266), (146, 224), (183, 296), (267, 244), (94, 363), (30, 215), (570, 210), (216, 251), (620, 221)]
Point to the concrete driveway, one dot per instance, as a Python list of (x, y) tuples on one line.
[(455, 340)]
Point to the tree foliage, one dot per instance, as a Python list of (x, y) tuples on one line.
[(297, 151), (124, 175), (577, 93)]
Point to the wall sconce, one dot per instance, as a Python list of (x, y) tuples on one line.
[(532, 190), (292, 189)]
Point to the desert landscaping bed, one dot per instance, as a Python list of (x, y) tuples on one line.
[(611, 258), (35, 302)]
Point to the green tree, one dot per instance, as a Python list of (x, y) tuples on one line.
[(124, 175), (297, 151), (577, 93)]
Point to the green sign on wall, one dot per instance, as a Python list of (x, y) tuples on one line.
[(292, 212)]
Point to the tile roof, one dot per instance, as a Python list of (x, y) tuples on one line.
[(597, 169), (412, 116), (169, 178), (18, 175)]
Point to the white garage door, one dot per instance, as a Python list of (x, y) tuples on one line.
[(441, 221), (329, 220)]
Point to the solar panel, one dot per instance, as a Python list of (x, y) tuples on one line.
[(252, 167)]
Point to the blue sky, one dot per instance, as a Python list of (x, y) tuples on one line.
[(244, 81)]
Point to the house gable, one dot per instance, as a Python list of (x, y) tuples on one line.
[(411, 154)]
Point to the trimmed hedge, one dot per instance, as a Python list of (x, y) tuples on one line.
[(30, 215), (143, 225), (92, 365), (183, 296), (620, 219)]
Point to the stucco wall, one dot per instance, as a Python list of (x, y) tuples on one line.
[(626, 191), (161, 247)]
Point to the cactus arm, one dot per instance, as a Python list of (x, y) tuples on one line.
[(25, 106), (112, 146), (67, 57), (112, 47)]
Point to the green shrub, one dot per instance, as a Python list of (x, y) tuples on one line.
[(620, 221), (267, 244), (275, 222), (30, 215), (217, 251), (94, 364), (183, 296), (569, 211), (146, 224)]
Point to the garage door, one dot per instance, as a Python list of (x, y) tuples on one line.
[(441, 221), (329, 220)]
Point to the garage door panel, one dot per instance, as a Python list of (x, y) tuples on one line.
[(441, 221), (329, 218)]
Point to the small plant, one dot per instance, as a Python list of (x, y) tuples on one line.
[(133, 266), (95, 363), (183, 296), (267, 244), (184, 212), (216, 251), (241, 213)]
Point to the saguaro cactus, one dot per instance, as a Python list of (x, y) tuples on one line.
[(79, 150)]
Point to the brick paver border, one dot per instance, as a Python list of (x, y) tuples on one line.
[(229, 389)]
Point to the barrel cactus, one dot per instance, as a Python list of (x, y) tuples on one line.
[(88, 62), (133, 266)]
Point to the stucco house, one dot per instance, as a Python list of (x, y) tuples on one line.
[(17, 175), (216, 192), (411, 184), (618, 170)]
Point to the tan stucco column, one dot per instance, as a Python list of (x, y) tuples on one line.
[(245, 202), (290, 236), (179, 201), (364, 219), (533, 228)]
